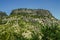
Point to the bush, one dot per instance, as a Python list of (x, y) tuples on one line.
[(50, 33)]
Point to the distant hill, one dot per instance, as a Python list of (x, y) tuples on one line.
[(2, 14)]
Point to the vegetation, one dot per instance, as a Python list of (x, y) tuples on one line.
[(29, 26)]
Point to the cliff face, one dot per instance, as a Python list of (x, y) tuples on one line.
[(38, 12)]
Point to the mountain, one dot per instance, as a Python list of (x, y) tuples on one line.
[(30, 24), (39, 15), (39, 12)]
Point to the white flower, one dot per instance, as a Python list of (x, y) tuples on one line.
[(27, 34), (40, 37)]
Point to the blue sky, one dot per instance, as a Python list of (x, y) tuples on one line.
[(52, 5)]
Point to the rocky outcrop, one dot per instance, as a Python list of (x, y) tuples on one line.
[(39, 12)]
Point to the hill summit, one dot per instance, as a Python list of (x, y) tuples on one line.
[(38, 12)]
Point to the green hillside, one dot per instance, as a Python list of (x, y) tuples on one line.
[(29, 24)]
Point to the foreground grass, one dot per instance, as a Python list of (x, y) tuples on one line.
[(9, 32)]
